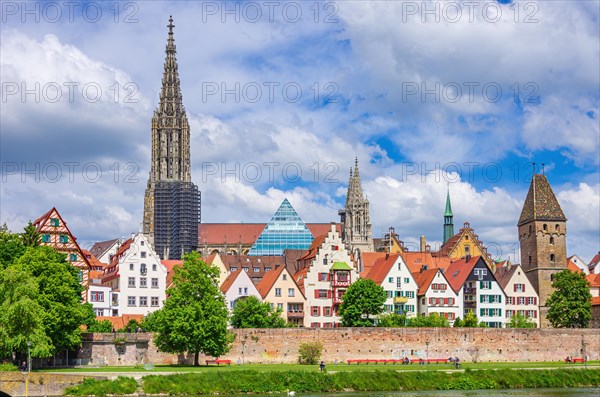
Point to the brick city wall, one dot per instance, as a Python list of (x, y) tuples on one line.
[(38, 384), (281, 345)]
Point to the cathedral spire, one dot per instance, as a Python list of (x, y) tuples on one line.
[(355, 218), (448, 219), (355, 192)]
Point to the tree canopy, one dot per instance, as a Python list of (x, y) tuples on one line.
[(252, 313), (194, 318), (520, 321), (570, 305), (432, 320), (361, 303)]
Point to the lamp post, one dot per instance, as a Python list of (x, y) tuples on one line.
[(427, 344), (28, 356)]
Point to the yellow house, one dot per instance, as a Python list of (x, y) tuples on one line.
[(279, 289), (215, 260), (464, 243)]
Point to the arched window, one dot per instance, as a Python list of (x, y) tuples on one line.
[(557, 227), (552, 258), (551, 240), (545, 227)]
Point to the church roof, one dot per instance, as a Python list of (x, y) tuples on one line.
[(448, 211), (541, 203)]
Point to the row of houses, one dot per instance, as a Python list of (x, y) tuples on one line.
[(126, 277)]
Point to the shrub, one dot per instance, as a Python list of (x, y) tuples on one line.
[(310, 352), (6, 367)]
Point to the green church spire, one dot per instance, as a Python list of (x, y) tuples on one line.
[(448, 222)]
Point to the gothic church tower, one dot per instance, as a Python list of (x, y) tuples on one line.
[(542, 235), (355, 217), (448, 220), (171, 202)]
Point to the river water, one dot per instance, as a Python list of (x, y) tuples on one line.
[(566, 392)]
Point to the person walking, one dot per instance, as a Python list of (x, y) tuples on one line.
[(322, 366)]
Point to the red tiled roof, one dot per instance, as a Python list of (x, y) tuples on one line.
[(594, 262), (94, 262), (170, 264), (424, 279), (39, 222), (268, 280), (119, 322), (415, 260), (368, 261), (596, 301), (230, 280), (381, 268), (314, 247), (299, 279), (594, 280), (108, 275), (459, 270), (245, 233), (504, 274), (573, 267)]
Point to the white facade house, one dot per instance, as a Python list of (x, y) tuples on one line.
[(437, 296), (327, 272), (521, 297), (100, 297), (473, 280), (391, 273), (576, 262), (238, 286), (137, 278)]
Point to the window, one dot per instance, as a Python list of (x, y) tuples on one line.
[(552, 258), (284, 277), (131, 282), (143, 301), (245, 290), (256, 269), (143, 254), (406, 280), (131, 301), (280, 306), (398, 282), (99, 312), (72, 257), (323, 276), (239, 290), (143, 282), (485, 285), (154, 301), (322, 293), (291, 292), (246, 269), (97, 296), (142, 243), (268, 269), (530, 229), (63, 239), (315, 325), (143, 269), (521, 300), (46, 238), (80, 276), (519, 287), (54, 222), (131, 266), (551, 240), (390, 279), (314, 311), (532, 300), (154, 282), (327, 311), (545, 227), (530, 259), (233, 269), (154, 267), (278, 292), (557, 227)]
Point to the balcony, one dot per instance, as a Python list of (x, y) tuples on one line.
[(470, 290), (400, 299), (340, 283), (469, 305), (295, 314)]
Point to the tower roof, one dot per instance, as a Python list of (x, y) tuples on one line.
[(541, 203), (171, 100), (448, 211), (355, 192)]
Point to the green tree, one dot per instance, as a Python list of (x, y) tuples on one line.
[(100, 326), (470, 320), (361, 303), (310, 352), (458, 323), (520, 321), (434, 320), (21, 315), (194, 318), (391, 320), (570, 305), (11, 247), (59, 294), (252, 313), (30, 236)]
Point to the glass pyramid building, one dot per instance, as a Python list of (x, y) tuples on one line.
[(286, 230)]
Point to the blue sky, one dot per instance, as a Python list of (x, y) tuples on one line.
[(420, 97)]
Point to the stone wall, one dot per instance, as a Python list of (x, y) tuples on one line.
[(38, 384), (281, 345)]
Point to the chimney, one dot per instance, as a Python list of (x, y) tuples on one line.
[(423, 243), (468, 258), (427, 248)]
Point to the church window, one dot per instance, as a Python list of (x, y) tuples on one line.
[(551, 240), (552, 258)]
